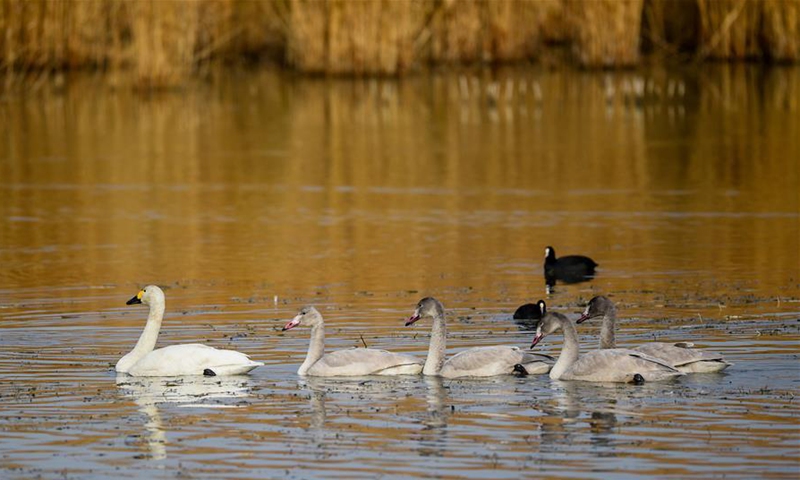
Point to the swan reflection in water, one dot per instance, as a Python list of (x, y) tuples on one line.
[(601, 408), (430, 438), (433, 436), (374, 389), (187, 392)]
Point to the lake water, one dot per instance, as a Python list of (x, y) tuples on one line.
[(253, 195)]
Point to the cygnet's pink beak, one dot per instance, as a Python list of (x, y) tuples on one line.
[(538, 338), (412, 319), (292, 323)]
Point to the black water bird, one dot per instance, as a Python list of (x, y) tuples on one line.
[(527, 316), (569, 269)]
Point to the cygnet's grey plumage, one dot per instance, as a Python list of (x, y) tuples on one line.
[(350, 362), (679, 355), (474, 362), (615, 365)]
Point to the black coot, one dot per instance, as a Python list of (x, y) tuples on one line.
[(527, 316), (529, 311), (569, 269)]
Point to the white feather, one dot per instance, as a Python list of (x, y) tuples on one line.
[(176, 360)]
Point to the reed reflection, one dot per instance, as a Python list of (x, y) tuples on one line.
[(214, 192)]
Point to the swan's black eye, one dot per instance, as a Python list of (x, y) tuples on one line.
[(144, 290)]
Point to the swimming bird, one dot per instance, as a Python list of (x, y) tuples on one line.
[(527, 316), (680, 355), (569, 269), (529, 311), (176, 360), (614, 365), (350, 362), (475, 362)]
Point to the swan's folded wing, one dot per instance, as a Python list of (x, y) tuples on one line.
[(531, 356), (618, 365), (483, 362), (360, 361), (192, 359), (679, 356), (650, 359)]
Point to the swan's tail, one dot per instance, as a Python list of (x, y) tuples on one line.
[(235, 369)]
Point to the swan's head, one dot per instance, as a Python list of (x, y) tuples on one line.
[(307, 316), (597, 307), (427, 307), (551, 323), (149, 295)]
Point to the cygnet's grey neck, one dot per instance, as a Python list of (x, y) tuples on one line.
[(436, 349), (569, 351), (316, 348), (607, 337)]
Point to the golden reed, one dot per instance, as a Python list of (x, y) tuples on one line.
[(605, 33), (165, 42), (387, 37)]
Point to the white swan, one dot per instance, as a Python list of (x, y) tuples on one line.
[(350, 362), (615, 365), (679, 355), (475, 362), (176, 360)]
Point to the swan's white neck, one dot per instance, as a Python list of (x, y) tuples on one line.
[(316, 348), (435, 360), (569, 351), (607, 339), (147, 341)]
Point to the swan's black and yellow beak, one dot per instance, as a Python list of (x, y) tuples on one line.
[(136, 299)]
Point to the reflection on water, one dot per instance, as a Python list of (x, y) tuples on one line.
[(270, 176), (430, 437), (249, 198), (155, 437), (433, 437), (193, 391), (190, 391)]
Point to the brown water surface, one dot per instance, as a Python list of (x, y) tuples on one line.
[(250, 197)]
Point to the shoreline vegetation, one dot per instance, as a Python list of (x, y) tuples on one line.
[(156, 44)]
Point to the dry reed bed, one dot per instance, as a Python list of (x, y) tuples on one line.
[(781, 23), (164, 42), (605, 32), (730, 28), (342, 36), (387, 37)]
